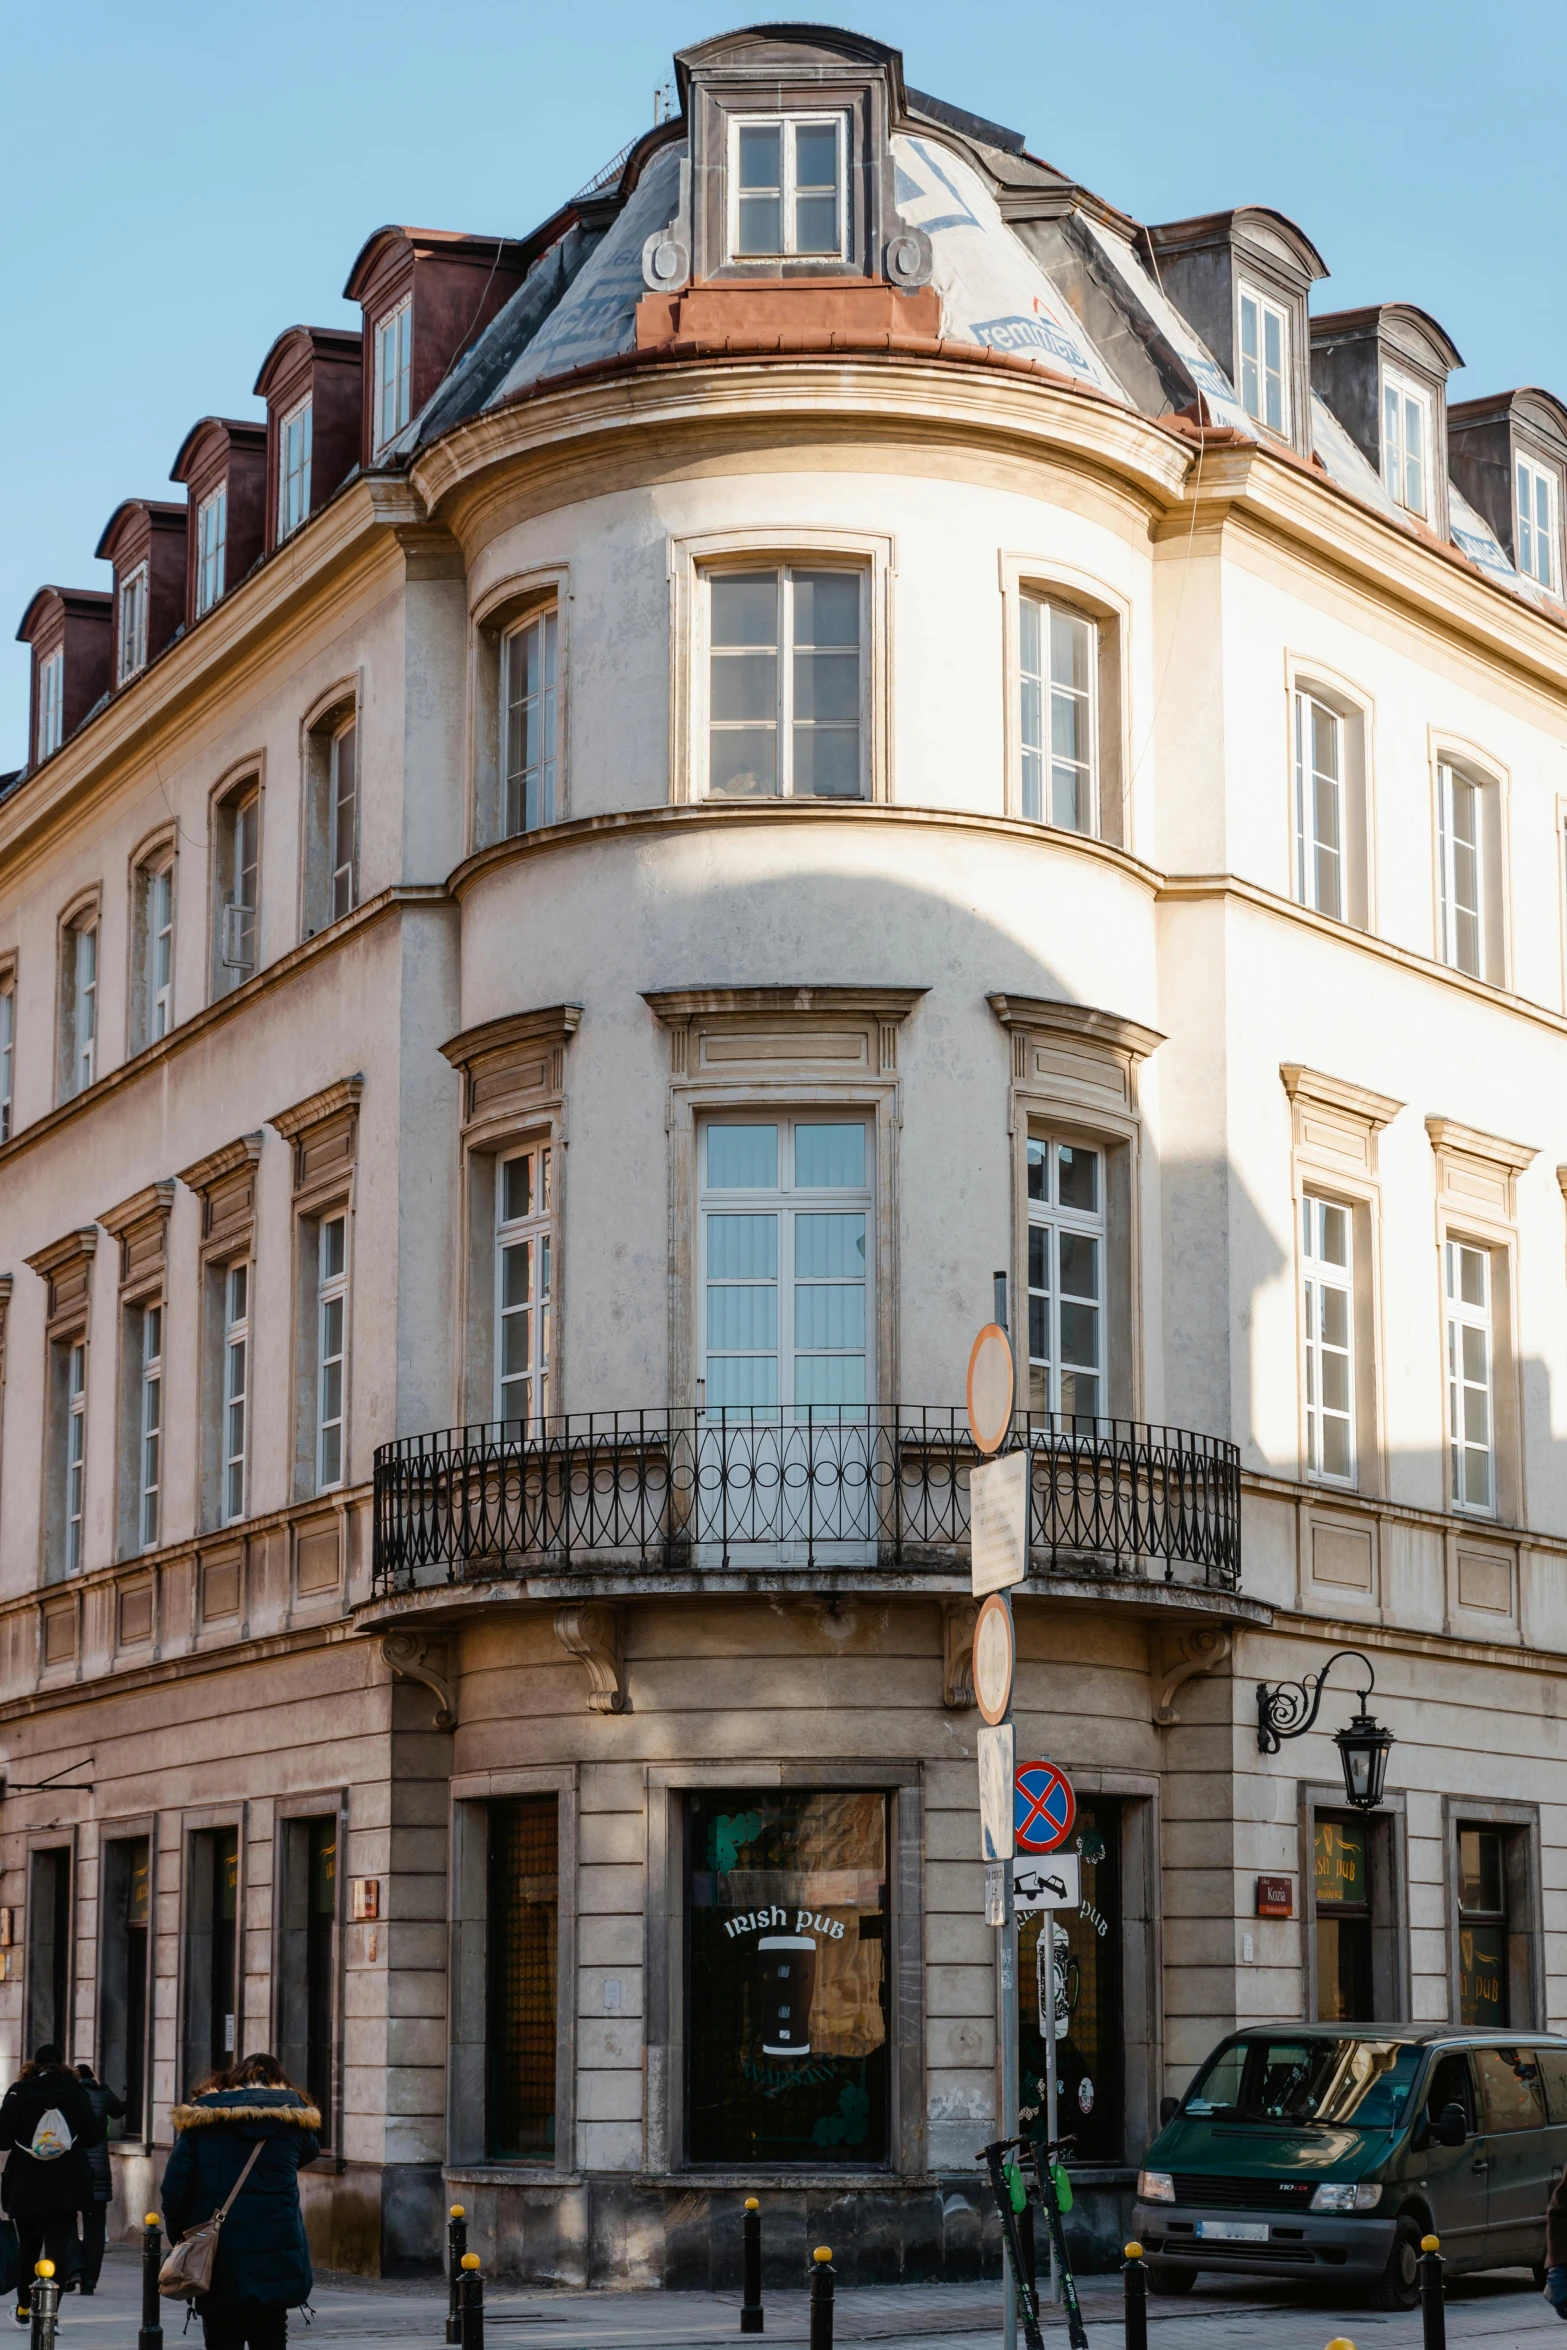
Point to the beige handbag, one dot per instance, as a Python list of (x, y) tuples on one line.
[(187, 2272)]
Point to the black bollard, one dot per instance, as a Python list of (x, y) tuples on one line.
[(456, 2246), (751, 2319), (821, 2298), (46, 2305), (1433, 2305), (1134, 2278), (151, 2334), (472, 2303)]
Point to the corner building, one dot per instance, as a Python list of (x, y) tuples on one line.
[(841, 716)]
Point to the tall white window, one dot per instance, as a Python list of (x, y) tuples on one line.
[(1406, 442), (523, 1302), (79, 1007), (1066, 1279), (1537, 526), (236, 1389), (787, 187), (1328, 1300), (75, 1463), (529, 702), (331, 1348), (1319, 806), (153, 907), (51, 704), (133, 623), (785, 1226), (1264, 360), (239, 884), (293, 469), (7, 1054), (786, 712), (1459, 809), (343, 788), (1470, 1414), (212, 529), (149, 1429), (1058, 658), (393, 359)]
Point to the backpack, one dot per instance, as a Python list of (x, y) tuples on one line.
[(52, 2137)]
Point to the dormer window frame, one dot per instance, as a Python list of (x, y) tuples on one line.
[(51, 703), (1531, 474), (394, 341), (1267, 306), (212, 547), (788, 122), (131, 601), (293, 466), (1399, 392)]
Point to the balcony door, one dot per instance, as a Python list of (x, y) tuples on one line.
[(786, 1448)]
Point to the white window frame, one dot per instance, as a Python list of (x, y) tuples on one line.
[(239, 921), (331, 1352), (293, 467), (1461, 926), (1054, 1222), (536, 780), (1038, 691), (149, 1428), (786, 1202), (154, 912), (234, 1402), (530, 1234), (394, 342), (51, 703), (786, 569), (74, 1464), (1405, 393), (788, 124), (212, 547), (1461, 1316), (7, 1053), (79, 1004), (1536, 543), (133, 623), (1256, 407), (1322, 1276), (1310, 846), (343, 819)]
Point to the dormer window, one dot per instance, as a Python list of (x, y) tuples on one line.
[(212, 523), (1537, 524), (51, 704), (133, 624), (788, 196), (1406, 442), (1264, 360), (293, 471), (393, 371)]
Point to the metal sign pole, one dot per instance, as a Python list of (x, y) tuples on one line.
[(1006, 2027), (1048, 1930)]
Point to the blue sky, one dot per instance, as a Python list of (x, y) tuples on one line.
[(184, 182)]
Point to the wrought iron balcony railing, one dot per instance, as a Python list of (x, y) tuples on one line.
[(734, 1491)]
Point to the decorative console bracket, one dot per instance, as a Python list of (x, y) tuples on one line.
[(415, 1657), (1201, 1651), (594, 1633), (957, 1653)]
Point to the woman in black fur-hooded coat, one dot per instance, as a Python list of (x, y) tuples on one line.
[(263, 2262)]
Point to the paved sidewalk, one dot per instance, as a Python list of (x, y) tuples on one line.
[(1487, 2313)]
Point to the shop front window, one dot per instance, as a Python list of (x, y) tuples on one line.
[(1090, 2039), (787, 1986), (1482, 1929), (1343, 1893)]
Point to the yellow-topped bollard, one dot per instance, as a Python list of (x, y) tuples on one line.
[(821, 2298), (1134, 2287), (472, 2303), (456, 2247), (150, 2336), (46, 2306), (752, 2317), (1430, 2272)]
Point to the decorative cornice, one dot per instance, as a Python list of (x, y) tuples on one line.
[(1374, 1110), (554, 1024), (154, 1199), (60, 1253), (344, 1095), (1447, 1135), (1045, 1015), (675, 1005), (203, 1173)]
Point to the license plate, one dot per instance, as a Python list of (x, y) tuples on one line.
[(1233, 2231)]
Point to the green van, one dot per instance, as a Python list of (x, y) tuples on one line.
[(1327, 2151)]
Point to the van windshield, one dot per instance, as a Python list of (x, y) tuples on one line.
[(1283, 2078)]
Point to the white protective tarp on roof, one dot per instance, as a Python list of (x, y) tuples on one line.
[(1184, 340), (992, 289), (596, 317)]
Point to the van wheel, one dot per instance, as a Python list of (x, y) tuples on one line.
[(1398, 2287), (1173, 2281)]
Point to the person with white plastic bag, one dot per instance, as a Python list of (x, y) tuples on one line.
[(47, 2126)]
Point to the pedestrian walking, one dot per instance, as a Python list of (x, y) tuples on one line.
[(47, 2127), (95, 2215), (262, 2270)]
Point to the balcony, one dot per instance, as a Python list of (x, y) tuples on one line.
[(741, 1499)]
